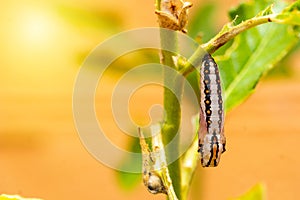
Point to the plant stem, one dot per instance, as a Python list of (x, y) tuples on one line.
[(227, 33), (172, 107), (173, 83)]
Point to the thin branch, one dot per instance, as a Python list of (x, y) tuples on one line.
[(156, 175), (227, 33)]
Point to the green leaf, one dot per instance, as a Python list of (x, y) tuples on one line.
[(15, 197), (253, 52), (129, 181), (258, 192)]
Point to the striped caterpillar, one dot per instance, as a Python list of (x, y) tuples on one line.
[(211, 131)]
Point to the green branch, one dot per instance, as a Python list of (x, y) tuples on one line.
[(226, 34), (172, 15), (171, 106)]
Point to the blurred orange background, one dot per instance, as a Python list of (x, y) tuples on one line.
[(43, 44)]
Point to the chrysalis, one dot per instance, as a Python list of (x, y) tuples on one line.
[(211, 131)]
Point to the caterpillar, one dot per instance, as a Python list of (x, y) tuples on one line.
[(211, 130)]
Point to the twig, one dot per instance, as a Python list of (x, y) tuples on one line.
[(227, 33), (156, 175)]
